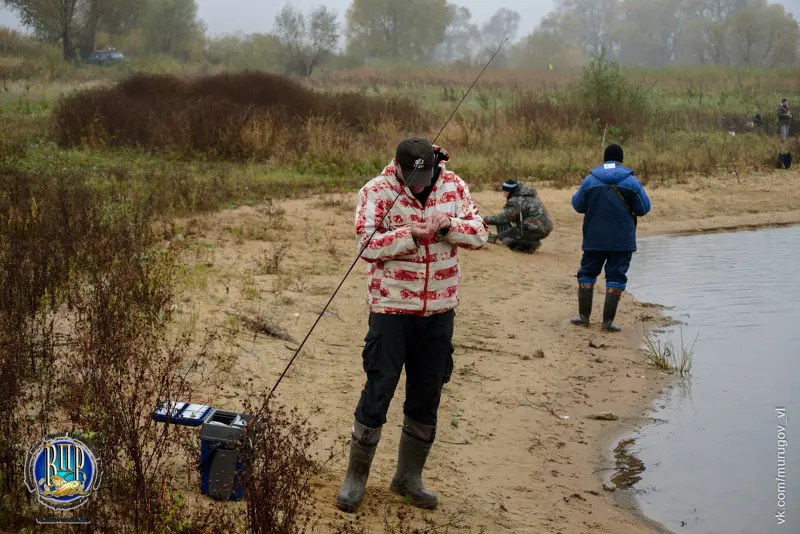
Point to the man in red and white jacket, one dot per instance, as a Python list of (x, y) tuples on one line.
[(412, 287)]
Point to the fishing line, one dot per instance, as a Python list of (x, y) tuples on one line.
[(483, 206), (409, 182)]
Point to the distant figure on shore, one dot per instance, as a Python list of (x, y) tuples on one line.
[(524, 222), (784, 118), (753, 124), (611, 198)]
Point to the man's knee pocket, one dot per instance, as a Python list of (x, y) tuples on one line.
[(369, 354), (449, 364), (382, 372)]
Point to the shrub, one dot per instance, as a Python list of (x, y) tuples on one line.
[(87, 344), (608, 95), (230, 116), (281, 469)]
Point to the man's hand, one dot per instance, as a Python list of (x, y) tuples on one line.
[(439, 221), (421, 229)]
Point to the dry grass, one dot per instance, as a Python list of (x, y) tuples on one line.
[(224, 116), (664, 355), (550, 135), (271, 261)]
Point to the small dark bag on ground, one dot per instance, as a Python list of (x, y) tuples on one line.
[(785, 160)]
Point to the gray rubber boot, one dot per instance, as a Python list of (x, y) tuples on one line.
[(610, 310), (363, 444), (585, 295), (416, 441)]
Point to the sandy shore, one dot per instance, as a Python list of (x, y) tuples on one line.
[(505, 460)]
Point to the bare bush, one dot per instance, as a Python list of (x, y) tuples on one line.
[(281, 468), (271, 261)]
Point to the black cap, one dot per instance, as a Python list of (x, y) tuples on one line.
[(415, 153), (613, 153)]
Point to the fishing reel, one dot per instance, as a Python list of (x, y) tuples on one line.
[(440, 155)]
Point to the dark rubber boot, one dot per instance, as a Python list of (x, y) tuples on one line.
[(503, 228), (610, 310), (416, 441), (363, 444), (528, 247), (585, 295)]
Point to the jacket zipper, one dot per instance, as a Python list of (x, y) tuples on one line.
[(427, 254), (425, 290), (427, 264)]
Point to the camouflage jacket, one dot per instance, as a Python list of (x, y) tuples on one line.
[(524, 207)]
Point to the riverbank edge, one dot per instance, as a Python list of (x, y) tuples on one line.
[(748, 222), (626, 499)]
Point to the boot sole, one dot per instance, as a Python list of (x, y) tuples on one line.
[(402, 493), (349, 508)]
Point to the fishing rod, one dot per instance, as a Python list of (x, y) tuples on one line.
[(409, 182)]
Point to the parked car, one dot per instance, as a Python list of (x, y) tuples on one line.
[(105, 57)]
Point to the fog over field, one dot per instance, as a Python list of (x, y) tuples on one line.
[(250, 16)]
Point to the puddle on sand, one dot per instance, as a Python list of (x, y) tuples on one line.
[(629, 467), (714, 466)]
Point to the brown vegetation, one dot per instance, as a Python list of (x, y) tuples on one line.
[(230, 116), (349, 136), (89, 344)]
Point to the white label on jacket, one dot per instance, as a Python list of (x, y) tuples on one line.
[(610, 166)]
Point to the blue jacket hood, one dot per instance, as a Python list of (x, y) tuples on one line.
[(611, 172)]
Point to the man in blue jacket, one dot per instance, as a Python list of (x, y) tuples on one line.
[(611, 198)]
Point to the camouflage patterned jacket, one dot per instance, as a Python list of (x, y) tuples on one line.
[(524, 201)]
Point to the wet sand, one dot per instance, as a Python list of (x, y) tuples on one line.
[(506, 459)]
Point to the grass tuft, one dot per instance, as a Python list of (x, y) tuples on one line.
[(665, 356)]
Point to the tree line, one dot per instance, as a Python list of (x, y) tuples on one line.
[(657, 33), (652, 33), (146, 26)]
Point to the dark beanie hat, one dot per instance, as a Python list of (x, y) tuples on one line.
[(510, 186), (613, 153)]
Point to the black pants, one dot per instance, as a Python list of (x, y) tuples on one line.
[(616, 266), (517, 239), (424, 345)]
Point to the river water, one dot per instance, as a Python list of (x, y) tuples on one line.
[(712, 466)]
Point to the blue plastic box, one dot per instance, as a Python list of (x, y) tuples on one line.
[(182, 413), (221, 469)]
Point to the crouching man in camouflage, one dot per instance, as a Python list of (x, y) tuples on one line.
[(524, 222)]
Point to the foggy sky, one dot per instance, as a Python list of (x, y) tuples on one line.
[(249, 16)]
